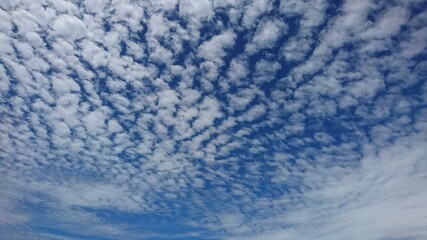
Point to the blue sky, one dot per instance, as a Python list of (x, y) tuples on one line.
[(213, 119)]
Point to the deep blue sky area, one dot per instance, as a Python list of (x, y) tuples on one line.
[(213, 119)]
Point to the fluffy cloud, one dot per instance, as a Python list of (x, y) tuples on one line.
[(200, 10), (214, 49), (69, 27), (266, 35)]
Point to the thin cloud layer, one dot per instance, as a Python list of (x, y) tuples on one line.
[(213, 119)]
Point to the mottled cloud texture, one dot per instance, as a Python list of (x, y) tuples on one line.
[(213, 119)]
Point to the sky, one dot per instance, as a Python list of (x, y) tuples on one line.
[(213, 119)]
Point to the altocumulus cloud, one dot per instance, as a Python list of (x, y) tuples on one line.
[(213, 119)]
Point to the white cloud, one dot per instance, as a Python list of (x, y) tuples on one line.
[(266, 35), (168, 98), (415, 44), (379, 195), (69, 27), (214, 49), (265, 70), (95, 6), (169, 109), (94, 195), (296, 48), (167, 4), (7, 4), (6, 24), (9, 213), (94, 122), (4, 83), (323, 137), (253, 113), (209, 110), (366, 88), (389, 24), (200, 10), (94, 54), (6, 47), (237, 70), (62, 84), (25, 21), (114, 126), (254, 10)]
